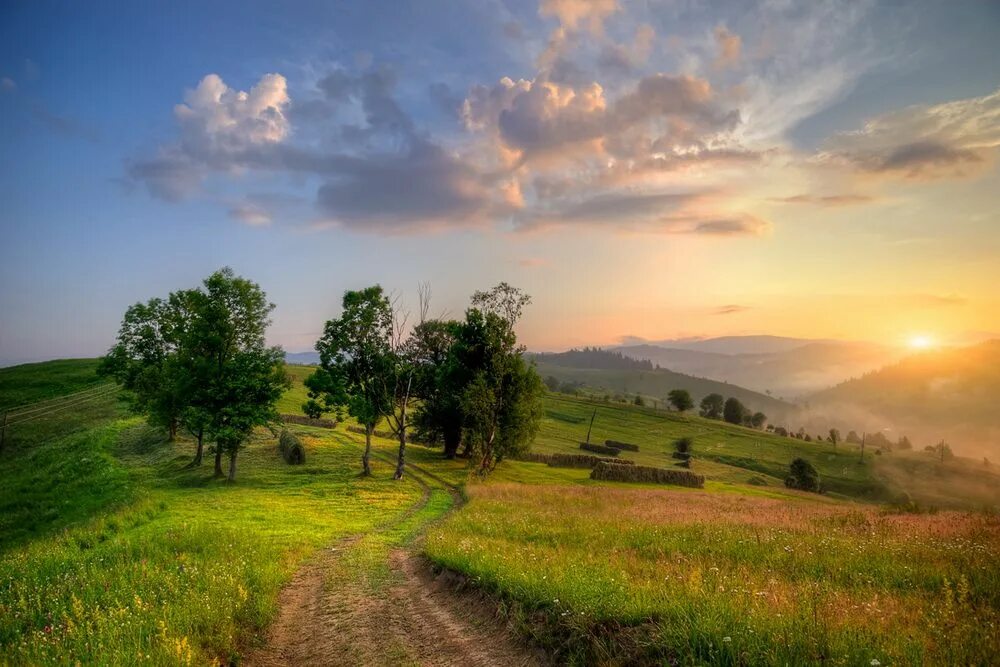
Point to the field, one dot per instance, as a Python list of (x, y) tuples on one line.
[(112, 550), (601, 573)]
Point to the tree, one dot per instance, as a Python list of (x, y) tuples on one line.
[(712, 406), (680, 399), (552, 383), (240, 377), (733, 411), (757, 420), (639, 400), (904, 443), (143, 362), (803, 476), (501, 404), (439, 384), (834, 437), (781, 430), (853, 438), (356, 357)]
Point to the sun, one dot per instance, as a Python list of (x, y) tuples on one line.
[(921, 342)]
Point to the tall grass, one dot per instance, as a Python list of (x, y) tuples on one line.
[(629, 575)]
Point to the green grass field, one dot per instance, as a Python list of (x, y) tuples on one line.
[(112, 551)]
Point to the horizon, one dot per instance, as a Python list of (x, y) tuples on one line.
[(644, 171)]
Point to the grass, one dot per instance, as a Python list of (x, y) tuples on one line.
[(624, 574), (112, 551)]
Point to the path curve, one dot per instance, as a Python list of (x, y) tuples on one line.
[(419, 619)]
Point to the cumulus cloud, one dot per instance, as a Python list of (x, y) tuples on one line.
[(730, 47), (573, 14), (953, 139)]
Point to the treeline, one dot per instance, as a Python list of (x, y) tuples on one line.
[(197, 360), (596, 358), (464, 384)]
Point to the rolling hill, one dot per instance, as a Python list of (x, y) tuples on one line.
[(780, 367), (948, 394), (606, 374)]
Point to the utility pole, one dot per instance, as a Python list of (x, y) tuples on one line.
[(591, 425), (864, 436)]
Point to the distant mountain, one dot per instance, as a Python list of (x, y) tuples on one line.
[(302, 358), (611, 372), (949, 394), (787, 371), (730, 344)]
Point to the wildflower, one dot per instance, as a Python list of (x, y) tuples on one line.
[(874, 662), (727, 639)]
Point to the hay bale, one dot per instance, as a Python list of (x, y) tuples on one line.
[(570, 460), (302, 420), (599, 449), (622, 445), (291, 448), (646, 474)]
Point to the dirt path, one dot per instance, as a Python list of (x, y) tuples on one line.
[(332, 613)]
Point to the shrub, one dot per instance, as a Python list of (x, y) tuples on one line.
[(570, 460), (600, 449), (291, 448), (621, 445), (802, 475), (633, 473)]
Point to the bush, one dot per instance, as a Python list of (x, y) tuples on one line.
[(600, 449), (570, 460), (803, 476), (621, 445), (619, 473), (291, 448)]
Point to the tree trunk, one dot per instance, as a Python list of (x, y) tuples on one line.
[(401, 458), (201, 449), (366, 466), (232, 465), (172, 430), (452, 441), (218, 460)]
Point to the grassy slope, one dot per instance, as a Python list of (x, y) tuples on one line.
[(619, 574), (656, 384), (113, 551)]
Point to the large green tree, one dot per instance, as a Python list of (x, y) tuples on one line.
[(240, 378), (440, 382), (501, 404), (357, 361)]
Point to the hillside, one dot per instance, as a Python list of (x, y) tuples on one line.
[(787, 372), (948, 394), (655, 384)]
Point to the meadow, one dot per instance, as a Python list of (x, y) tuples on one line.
[(618, 574), (114, 551)]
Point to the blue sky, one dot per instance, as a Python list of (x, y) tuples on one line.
[(653, 169)]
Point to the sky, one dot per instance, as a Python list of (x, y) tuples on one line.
[(653, 169)]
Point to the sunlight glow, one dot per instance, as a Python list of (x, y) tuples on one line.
[(921, 342)]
